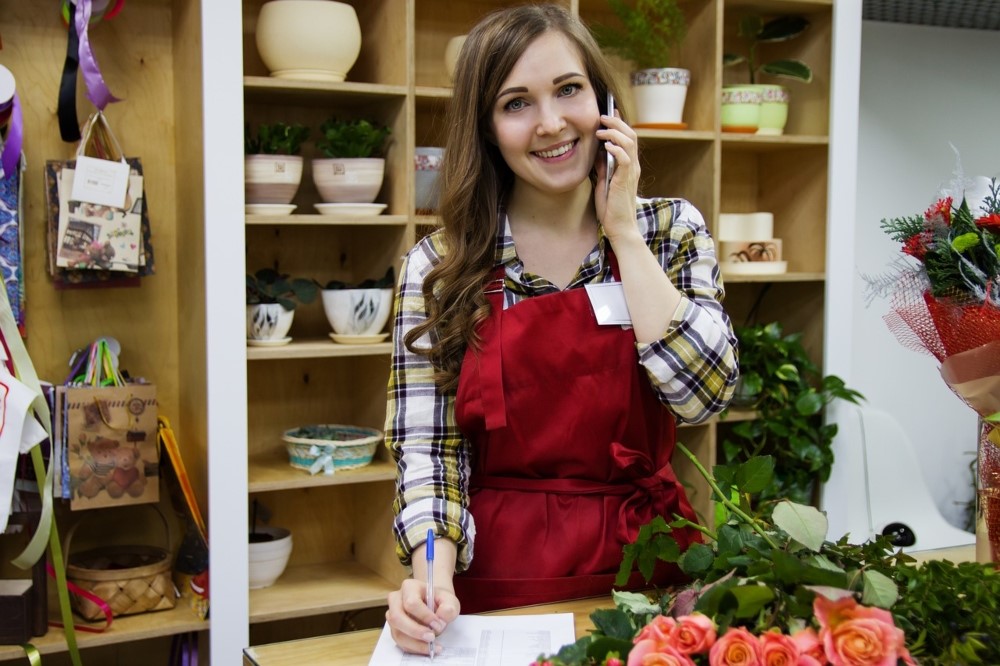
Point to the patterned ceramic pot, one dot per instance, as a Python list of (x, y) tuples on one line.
[(271, 179), (773, 109), (659, 95), (427, 164), (269, 322), (357, 311), (348, 179), (741, 109)]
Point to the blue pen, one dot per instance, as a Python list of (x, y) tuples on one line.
[(429, 550)]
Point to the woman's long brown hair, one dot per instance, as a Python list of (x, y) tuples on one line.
[(475, 179)]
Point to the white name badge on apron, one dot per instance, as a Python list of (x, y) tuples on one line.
[(608, 301)]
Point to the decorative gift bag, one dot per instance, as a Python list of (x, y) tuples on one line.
[(98, 228), (110, 433)]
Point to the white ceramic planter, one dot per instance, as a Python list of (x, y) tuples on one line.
[(271, 179), (268, 322), (348, 180), (357, 311), (268, 559), (310, 40), (659, 96)]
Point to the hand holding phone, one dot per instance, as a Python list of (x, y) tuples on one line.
[(611, 159)]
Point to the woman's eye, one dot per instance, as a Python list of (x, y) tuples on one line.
[(514, 105), (569, 89)]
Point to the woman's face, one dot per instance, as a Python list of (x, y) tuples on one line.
[(546, 115)]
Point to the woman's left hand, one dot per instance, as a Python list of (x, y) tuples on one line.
[(616, 205)]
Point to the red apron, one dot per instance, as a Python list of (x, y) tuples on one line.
[(571, 453)]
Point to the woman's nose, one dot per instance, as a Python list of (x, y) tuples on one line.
[(551, 119)]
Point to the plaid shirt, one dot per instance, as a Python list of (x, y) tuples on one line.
[(692, 369)]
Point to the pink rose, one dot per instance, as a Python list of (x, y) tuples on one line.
[(778, 649), (854, 635), (810, 648), (659, 631), (647, 653), (695, 634), (737, 647)]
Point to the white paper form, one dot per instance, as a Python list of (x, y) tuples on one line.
[(486, 640)]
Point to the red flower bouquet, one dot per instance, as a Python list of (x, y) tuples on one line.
[(945, 300)]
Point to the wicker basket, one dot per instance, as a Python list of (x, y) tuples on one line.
[(130, 579), (330, 447)]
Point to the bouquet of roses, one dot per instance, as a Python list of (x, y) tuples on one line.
[(945, 300), (777, 593)]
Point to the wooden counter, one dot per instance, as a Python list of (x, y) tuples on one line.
[(356, 647)]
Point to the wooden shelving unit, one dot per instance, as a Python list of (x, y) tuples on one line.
[(229, 403)]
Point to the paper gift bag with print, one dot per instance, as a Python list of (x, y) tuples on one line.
[(100, 206), (112, 446)]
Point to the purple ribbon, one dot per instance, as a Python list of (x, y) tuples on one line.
[(12, 147), (97, 90)]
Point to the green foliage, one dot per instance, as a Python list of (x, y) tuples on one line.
[(274, 139), (384, 282), (650, 34), (791, 395), (754, 32), (352, 138), (763, 574), (269, 286)]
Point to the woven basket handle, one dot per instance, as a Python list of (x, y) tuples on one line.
[(68, 541)]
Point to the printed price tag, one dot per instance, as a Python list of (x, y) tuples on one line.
[(100, 182)]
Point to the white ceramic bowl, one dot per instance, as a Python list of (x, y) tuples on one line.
[(268, 321), (268, 559), (271, 179), (357, 311)]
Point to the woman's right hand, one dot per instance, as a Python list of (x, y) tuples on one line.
[(412, 624)]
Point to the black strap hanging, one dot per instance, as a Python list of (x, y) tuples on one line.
[(69, 125)]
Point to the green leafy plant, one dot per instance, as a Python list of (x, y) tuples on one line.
[(790, 395), (269, 286), (754, 32), (650, 33), (274, 139), (352, 138), (385, 282), (775, 575)]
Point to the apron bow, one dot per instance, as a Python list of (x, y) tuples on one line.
[(655, 490)]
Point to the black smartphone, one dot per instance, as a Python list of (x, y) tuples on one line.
[(611, 159)]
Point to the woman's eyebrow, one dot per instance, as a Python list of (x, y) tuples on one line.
[(522, 89)]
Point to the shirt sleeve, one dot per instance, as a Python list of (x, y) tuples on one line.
[(693, 368), (432, 457)]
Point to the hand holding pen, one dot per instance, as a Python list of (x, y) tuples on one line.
[(429, 550)]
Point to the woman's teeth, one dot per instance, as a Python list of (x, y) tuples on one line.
[(561, 150)]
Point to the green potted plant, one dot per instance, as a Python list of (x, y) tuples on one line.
[(789, 393), (273, 167), (771, 110), (650, 36), (271, 301), (353, 165)]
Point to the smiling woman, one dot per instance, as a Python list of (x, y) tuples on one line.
[(546, 340)]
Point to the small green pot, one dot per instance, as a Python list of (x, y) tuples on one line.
[(741, 109), (773, 109)]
